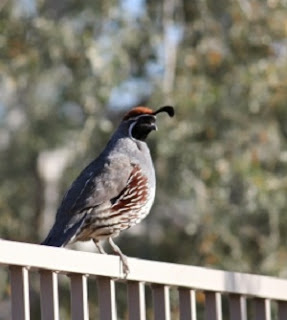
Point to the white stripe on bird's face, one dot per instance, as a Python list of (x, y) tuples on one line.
[(135, 120)]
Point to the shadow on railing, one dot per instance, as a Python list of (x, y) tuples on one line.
[(189, 281)]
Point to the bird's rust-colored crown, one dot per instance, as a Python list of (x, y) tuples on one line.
[(137, 111)]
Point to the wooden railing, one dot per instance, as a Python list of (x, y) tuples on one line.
[(236, 288)]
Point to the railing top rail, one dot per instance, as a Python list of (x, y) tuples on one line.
[(71, 261)]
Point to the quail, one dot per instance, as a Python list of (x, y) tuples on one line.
[(115, 191)]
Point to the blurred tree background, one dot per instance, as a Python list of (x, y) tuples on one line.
[(69, 70)]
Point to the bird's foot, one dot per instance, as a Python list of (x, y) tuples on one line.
[(99, 247), (126, 269), (124, 260)]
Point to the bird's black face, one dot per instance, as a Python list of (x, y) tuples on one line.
[(142, 126)]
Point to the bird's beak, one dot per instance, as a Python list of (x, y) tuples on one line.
[(154, 127)]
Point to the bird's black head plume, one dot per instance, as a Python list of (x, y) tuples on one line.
[(168, 109)]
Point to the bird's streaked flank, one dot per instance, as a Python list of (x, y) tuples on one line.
[(115, 191)]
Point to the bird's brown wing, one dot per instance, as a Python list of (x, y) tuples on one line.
[(99, 182), (118, 213), (97, 185)]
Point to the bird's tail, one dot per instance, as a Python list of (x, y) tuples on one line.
[(61, 234), (55, 240)]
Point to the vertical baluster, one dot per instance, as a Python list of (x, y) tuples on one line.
[(79, 297), (187, 304), (49, 295), (161, 302), (107, 299), (136, 300), (282, 310), (262, 309), (213, 306), (237, 307), (20, 293)]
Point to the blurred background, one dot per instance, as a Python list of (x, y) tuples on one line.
[(70, 69)]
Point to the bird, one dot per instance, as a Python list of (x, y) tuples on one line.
[(115, 191)]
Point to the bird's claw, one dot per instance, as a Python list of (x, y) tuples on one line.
[(125, 266), (123, 258)]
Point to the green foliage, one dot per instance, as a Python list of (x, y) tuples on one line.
[(221, 162)]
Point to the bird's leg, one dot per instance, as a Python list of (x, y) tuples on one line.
[(123, 258), (99, 247)]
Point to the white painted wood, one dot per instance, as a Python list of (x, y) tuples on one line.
[(187, 304), (63, 260), (136, 300), (19, 293), (79, 297), (262, 309), (237, 307), (59, 259), (212, 306), (107, 298), (49, 295), (161, 303), (282, 310)]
